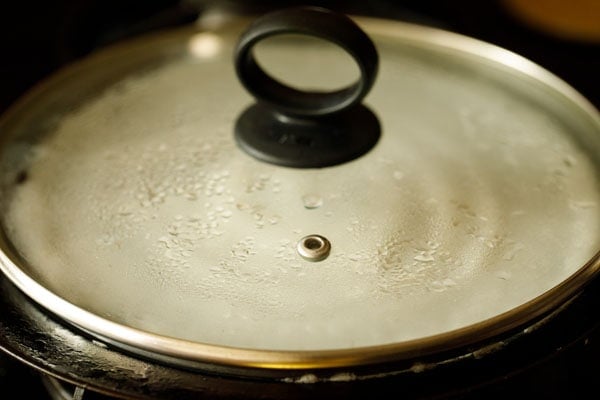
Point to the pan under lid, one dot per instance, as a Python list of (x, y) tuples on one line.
[(129, 210)]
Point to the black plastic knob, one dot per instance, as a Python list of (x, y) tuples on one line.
[(306, 129)]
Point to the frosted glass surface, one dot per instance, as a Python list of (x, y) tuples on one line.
[(139, 207)]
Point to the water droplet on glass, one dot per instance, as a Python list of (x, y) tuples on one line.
[(226, 214), (106, 240), (243, 206), (424, 257), (449, 282), (504, 275), (512, 251), (569, 161), (433, 244), (312, 201), (437, 286), (354, 257)]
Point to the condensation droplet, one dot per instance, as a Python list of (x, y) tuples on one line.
[(437, 286), (569, 160), (449, 282), (106, 240), (512, 252), (354, 257), (504, 275), (312, 201), (433, 244), (424, 257), (243, 206), (226, 214), (398, 175)]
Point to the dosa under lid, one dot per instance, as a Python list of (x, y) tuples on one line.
[(130, 208)]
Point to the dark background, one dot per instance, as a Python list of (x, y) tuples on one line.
[(38, 37)]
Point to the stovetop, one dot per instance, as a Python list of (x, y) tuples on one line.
[(558, 362), (36, 38)]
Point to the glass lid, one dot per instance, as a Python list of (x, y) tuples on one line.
[(130, 209)]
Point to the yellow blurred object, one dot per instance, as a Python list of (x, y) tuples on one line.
[(572, 19)]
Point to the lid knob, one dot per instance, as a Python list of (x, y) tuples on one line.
[(306, 129)]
